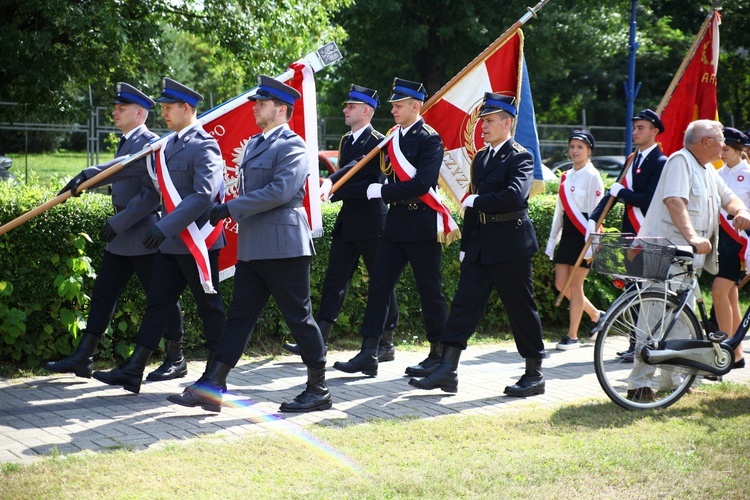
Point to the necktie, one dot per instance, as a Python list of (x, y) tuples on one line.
[(637, 163), (259, 141), (349, 141), (489, 157), (120, 145)]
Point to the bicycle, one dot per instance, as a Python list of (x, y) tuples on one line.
[(672, 346)]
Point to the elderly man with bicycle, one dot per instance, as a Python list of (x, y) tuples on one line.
[(691, 194)]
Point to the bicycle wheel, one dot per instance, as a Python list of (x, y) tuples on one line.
[(638, 321)]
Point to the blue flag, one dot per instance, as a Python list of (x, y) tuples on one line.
[(526, 134)]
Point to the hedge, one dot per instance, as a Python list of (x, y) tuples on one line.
[(49, 267)]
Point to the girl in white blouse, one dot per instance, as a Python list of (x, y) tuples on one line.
[(581, 189), (733, 244)]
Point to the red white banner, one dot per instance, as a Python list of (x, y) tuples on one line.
[(694, 97), (233, 123), (456, 115)]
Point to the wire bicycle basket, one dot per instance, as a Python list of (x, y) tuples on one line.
[(626, 256)]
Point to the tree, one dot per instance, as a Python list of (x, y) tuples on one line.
[(56, 49)]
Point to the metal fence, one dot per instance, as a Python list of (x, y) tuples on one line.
[(95, 141)]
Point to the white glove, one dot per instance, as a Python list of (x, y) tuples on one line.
[(590, 228), (550, 251), (325, 190), (615, 188), (461, 256), (373, 191), (589, 252), (469, 200)]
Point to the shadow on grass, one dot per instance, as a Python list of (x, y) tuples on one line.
[(722, 401)]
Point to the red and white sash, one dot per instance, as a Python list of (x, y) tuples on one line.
[(447, 229), (739, 236), (634, 214), (198, 240), (571, 209)]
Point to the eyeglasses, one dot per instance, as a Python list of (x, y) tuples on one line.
[(717, 139)]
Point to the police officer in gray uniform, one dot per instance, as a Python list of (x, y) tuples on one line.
[(136, 204), (274, 248), (195, 169)]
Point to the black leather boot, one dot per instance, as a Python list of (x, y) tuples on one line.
[(325, 331), (209, 361), (445, 377), (315, 396), (386, 350), (174, 366), (366, 360), (430, 363), (130, 373), (206, 392), (81, 362), (531, 382)]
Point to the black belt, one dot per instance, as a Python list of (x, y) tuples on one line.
[(487, 218)]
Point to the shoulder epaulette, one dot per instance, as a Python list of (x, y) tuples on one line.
[(429, 129), (377, 135), (518, 147), (391, 130)]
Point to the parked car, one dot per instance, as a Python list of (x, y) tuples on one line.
[(328, 162), (5, 164), (610, 165)]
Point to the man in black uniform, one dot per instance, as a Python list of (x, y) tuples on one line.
[(637, 188), (360, 221), (191, 169), (136, 203), (497, 245), (411, 227)]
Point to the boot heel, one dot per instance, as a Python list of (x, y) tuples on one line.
[(213, 408), (370, 373), (453, 389)]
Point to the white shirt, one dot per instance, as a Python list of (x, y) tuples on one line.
[(737, 179), (586, 188)]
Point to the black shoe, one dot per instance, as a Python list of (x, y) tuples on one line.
[(129, 374), (206, 392), (445, 377), (315, 396), (739, 364), (386, 350), (174, 366), (597, 326), (429, 364), (531, 382), (81, 362), (366, 360)]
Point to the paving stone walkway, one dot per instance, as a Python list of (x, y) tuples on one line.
[(63, 414)]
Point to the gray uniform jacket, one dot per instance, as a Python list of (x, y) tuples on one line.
[(196, 168), (134, 196), (272, 222)]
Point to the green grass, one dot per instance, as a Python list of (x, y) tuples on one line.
[(44, 168), (696, 449)]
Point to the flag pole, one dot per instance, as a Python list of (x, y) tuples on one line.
[(67, 194), (664, 101), (532, 12), (318, 59)]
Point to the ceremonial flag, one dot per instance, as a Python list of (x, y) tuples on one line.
[(455, 114), (232, 124), (694, 94)]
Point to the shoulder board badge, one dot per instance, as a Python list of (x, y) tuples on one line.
[(429, 129), (391, 130), (518, 147), (377, 135)]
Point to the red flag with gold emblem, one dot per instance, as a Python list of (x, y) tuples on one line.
[(455, 116), (694, 96)]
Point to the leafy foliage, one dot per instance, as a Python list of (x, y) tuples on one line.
[(49, 267)]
